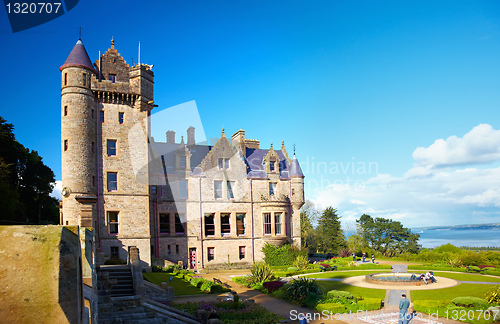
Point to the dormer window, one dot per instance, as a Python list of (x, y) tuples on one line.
[(272, 188), (112, 78), (272, 167), (182, 162)]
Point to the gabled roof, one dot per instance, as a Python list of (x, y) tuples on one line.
[(255, 162), (79, 57)]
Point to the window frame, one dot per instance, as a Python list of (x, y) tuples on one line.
[(113, 223), (225, 228), (177, 216), (121, 117), (164, 224), (112, 254), (154, 190), (217, 191), (183, 192), (206, 225), (112, 77), (182, 162), (267, 225), (210, 253), (241, 252), (230, 189), (273, 188), (108, 181), (101, 116), (243, 222), (277, 225), (110, 149)]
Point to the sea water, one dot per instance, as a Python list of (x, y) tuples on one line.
[(459, 237)]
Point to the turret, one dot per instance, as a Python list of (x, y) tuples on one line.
[(78, 138)]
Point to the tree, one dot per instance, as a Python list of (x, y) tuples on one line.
[(25, 182), (387, 236), (330, 235), (308, 215)]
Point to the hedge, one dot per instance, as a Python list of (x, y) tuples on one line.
[(281, 256), (369, 304), (330, 307), (471, 302), (339, 294)]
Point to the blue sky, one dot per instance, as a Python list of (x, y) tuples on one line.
[(407, 91)]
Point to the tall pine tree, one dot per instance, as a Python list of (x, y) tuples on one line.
[(331, 237)]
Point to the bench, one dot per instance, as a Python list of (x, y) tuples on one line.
[(223, 284)]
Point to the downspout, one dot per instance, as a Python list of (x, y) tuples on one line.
[(98, 168), (201, 223), (251, 215)]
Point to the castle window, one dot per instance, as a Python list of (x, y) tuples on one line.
[(209, 225), (230, 190), (277, 223), (241, 252), (165, 224), (101, 116), (182, 162), (218, 189), (225, 226), (210, 253), (111, 147), (183, 189), (113, 222), (179, 226), (272, 188), (223, 164), (267, 223), (93, 181), (65, 110), (93, 114), (240, 224), (168, 249), (84, 79), (112, 181), (154, 190), (177, 248), (65, 145), (114, 252), (93, 147), (272, 166), (120, 117), (112, 78)]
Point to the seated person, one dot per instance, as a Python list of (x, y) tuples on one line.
[(430, 276), (422, 277)]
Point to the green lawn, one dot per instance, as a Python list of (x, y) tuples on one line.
[(343, 274), (356, 291), (181, 287), (466, 276), (474, 290)]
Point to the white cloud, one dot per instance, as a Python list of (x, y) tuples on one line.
[(56, 192), (480, 145), (439, 190)]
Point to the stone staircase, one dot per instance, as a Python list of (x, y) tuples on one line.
[(127, 310), (121, 279)]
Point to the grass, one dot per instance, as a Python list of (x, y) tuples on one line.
[(466, 276), (181, 287), (356, 291), (343, 274), (474, 290)]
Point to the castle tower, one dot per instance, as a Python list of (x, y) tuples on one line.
[(78, 138), (297, 198)]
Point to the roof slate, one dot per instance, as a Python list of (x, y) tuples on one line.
[(79, 57)]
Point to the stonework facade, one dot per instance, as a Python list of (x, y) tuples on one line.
[(203, 205)]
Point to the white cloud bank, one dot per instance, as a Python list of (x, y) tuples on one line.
[(448, 185), (56, 192)]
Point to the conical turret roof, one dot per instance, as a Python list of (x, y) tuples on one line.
[(295, 170), (79, 57)]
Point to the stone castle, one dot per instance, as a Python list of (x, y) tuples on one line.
[(177, 201)]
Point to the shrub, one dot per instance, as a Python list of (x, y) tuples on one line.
[(333, 308), (301, 262), (470, 302), (429, 306), (303, 291), (281, 256), (261, 272), (455, 262), (292, 269), (325, 265), (369, 304), (339, 294), (207, 285), (492, 296), (216, 289), (197, 281), (345, 253), (471, 258), (272, 286)]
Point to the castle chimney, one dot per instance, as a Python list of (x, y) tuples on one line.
[(190, 136), (170, 137), (238, 141)]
